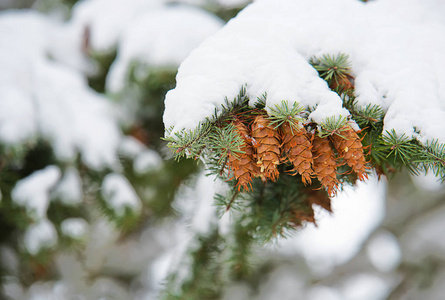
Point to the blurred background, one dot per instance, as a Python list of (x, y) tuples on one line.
[(93, 207)]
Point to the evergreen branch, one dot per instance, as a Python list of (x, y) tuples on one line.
[(432, 157), (241, 250), (261, 101), (189, 143), (402, 149), (365, 116), (230, 108), (276, 209), (232, 200), (333, 125), (332, 67), (281, 113), (225, 141), (205, 279), (370, 114), (379, 150)]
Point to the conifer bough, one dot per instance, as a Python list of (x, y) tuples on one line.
[(281, 154)]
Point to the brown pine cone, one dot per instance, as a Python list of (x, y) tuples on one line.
[(242, 165), (267, 147), (350, 149), (297, 149), (325, 164)]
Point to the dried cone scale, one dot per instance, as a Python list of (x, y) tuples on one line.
[(268, 148), (297, 148), (325, 165), (242, 165), (350, 149)]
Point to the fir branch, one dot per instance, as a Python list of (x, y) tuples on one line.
[(222, 142), (379, 150), (332, 68), (432, 157), (402, 149), (333, 125), (282, 113), (230, 108), (276, 207), (368, 115), (205, 280), (241, 250), (225, 141), (189, 143), (365, 116), (233, 200), (261, 101)]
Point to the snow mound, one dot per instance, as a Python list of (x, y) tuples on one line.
[(161, 37), (396, 49), (40, 235), (119, 194), (43, 97), (33, 192), (69, 189), (107, 19), (75, 228)]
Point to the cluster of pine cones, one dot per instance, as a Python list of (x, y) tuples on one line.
[(311, 156)]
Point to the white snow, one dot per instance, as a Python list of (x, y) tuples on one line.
[(366, 286), (232, 3), (119, 194), (40, 235), (17, 121), (45, 97), (75, 118), (130, 147), (108, 18), (33, 192), (323, 293), (276, 286), (75, 228), (69, 189), (428, 182), (12, 289), (147, 161), (159, 38), (384, 251), (397, 60)]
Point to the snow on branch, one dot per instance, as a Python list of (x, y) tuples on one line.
[(41, 96), (396, 57)]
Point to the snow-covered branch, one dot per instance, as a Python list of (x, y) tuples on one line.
[(396, 59)]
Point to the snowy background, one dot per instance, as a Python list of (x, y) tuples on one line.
[(377, 243)]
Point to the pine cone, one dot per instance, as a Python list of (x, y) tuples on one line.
[(268, 147), (297, 148), (242, 165), (325, 164), (350, 149)]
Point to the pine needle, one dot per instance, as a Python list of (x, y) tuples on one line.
[(282, 113)]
